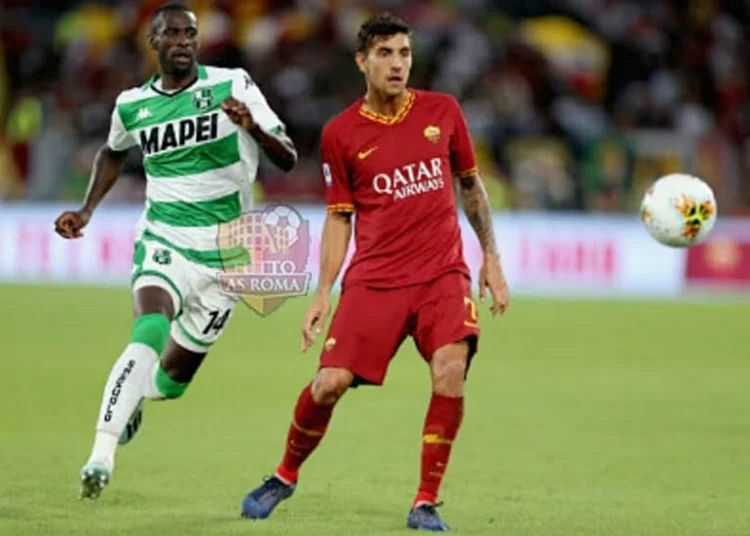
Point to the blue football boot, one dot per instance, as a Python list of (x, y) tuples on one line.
[(425, 517), (260, 502)]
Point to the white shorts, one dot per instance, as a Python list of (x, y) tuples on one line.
[(202, 311)]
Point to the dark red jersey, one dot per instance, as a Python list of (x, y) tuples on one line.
[(396, 175)]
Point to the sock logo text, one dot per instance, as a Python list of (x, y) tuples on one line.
[(115, 395)]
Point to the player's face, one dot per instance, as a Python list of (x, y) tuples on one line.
[(387, 64), (175, 38)]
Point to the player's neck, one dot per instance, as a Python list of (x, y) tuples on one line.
[(384, 105), (171, 82)]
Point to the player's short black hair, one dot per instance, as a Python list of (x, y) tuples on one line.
[(171, 7), (385, 24)]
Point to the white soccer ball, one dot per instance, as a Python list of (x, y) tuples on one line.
[(679, 210)]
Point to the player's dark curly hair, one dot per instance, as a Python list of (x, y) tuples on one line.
[(383, 25)]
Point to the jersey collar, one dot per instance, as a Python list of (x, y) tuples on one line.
[(389, 120), (202, 75)]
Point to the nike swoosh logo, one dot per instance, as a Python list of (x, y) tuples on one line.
[(364, 154)]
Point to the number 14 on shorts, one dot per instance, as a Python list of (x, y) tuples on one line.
[(217, 321)]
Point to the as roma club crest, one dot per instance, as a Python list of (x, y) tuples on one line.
[(432, 133)]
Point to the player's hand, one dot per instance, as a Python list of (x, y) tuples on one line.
[(491, 277), (69, 223), (315, 318), (238, 113)]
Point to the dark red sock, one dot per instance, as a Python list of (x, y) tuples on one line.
[(307, 429), (440, 430)]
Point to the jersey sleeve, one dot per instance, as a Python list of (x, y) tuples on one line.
[(247, 91), (119, 139), (335, 173), (463, 158)]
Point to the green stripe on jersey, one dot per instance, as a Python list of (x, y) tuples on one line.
[(155, 110), (212, 258), (197, 159), (196, 213)]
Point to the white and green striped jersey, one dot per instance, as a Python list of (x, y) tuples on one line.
[(199, 165)]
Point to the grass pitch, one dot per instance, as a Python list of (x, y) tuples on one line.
[(582, 419)]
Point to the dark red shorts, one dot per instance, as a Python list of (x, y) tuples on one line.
[(369, 324)]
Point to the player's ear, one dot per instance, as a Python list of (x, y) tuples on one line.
[(153, 33), (152, 40), (360, 59)]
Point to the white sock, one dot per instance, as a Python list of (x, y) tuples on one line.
[(122, 393), (150, 389)]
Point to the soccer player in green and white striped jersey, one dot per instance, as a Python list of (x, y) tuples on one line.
[(201, 130)]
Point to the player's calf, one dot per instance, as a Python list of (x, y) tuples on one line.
[(168, 379), (124, 389), (309, 425), (171, 376), (122, 394), (441, 426), (161, 386), (312, 413)]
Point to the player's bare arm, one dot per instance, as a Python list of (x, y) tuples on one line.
[(477, 208), (107, 167), (278, 147), (334, 243)]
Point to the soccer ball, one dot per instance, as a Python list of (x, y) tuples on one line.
[(679, 210)]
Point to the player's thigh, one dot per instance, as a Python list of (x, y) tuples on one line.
[(206, 312), (366, 331), (158, 271), (446, 314)]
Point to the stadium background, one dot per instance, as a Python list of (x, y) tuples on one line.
[(555, 92), (618, 416), (575, 106)]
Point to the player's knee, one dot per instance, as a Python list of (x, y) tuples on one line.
[(152, 330), (449, 369), (330, 384)]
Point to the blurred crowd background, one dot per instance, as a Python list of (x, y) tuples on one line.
[(573, 104)]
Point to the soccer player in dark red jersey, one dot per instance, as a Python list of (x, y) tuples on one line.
[(390, 160)]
